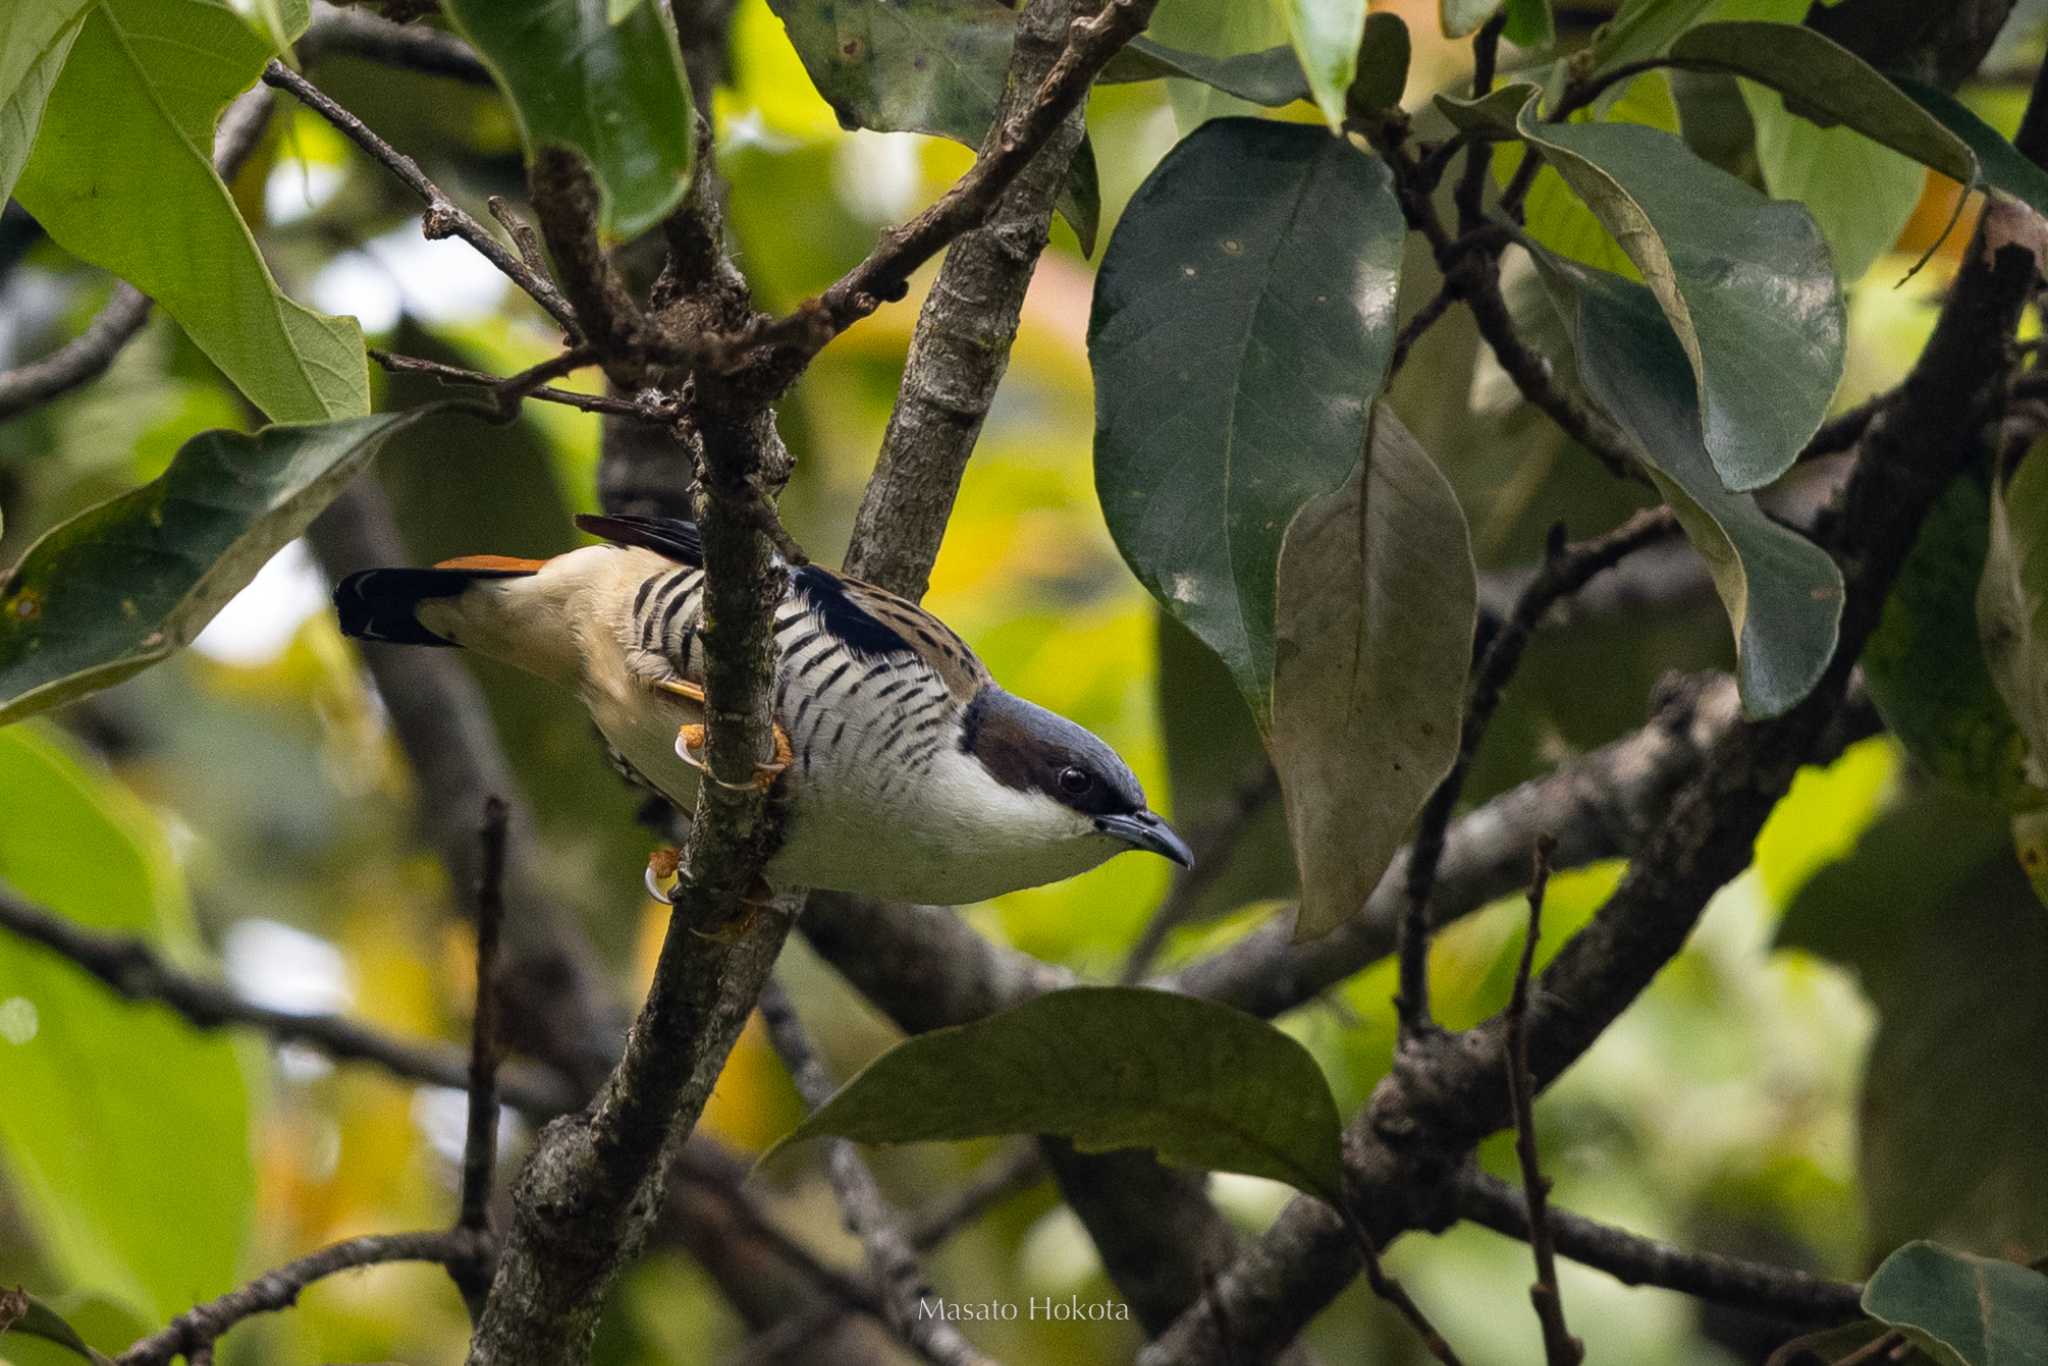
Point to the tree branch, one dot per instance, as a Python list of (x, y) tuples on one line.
[(135, 971), (480, 1143), (354, 32), (443, 218), (891, 1258), (196, 1330), (962, 343)]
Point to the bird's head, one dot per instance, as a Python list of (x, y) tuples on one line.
[(1077, 786)]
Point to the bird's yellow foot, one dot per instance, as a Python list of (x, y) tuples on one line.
[(756, 899), (662, 866), (690, 749)]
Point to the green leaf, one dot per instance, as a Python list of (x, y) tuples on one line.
[(1978, 1311), (162, 1222), (2012, 604), (1372, 643), (921, 66), (1746, 282), (1214, 29), (1325, 35), (23, 1313), (1463, 17), (1383, 59), (1925, 665), (1641, 29), (1828, 84), (123, 585), (33, 45), (1860, 194), (1270, 78), (1783, 594), (1200, 1084), (1530, 25), (1243, 320), (121, 177), (2001, 166), (1950, 946), (607, 85)]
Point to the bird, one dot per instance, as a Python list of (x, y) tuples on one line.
[(907, 772)]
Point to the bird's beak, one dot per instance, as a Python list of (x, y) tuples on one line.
[(1143, 830)]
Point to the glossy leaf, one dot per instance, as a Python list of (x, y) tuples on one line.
[(1461, 18), (1372, 644), (1950, 946), (33, 45), (161, 1223), (1783, 594), (1745, 281), (608, 85), (1827, 83), (2001, 166), (1925, 665), (1243, 320), (1642, 29), (1271, 78), (1974, 1310), (2012, 605), (120, 178), (30, 1317), (125, 584), (1218, 30), (1200, 1084), (1325, 35)]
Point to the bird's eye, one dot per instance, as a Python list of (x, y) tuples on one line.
[(1074, 781)]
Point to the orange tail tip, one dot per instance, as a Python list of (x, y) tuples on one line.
[(503, 563)]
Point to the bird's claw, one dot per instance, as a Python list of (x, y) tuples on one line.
[(662, 864), (690, 749)]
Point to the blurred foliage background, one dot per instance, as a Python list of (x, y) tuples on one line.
[(245, 804)]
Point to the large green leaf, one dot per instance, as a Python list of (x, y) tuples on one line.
[(1746, 282), (1643, 28), (1242, 324), (1200, 1084), (1271, 78), (1950, 945), (2012, 604), (1326, 35), (922, 66), (1372, 643), (1973, 1311), (1925, 665), (614, 92), (1783, 594), (123, 585), (121, 177), (33, 45), (1829, 84), (2001, 166), (1216, 29), (160, 1221)]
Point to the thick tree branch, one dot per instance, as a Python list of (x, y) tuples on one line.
[(196, 1330), (443, 218), (135, 971), (87, 356), (962, 343), (892, 1260)]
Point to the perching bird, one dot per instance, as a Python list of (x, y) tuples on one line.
[(910, 774)]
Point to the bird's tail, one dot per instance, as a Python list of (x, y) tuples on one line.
[(383, 604)]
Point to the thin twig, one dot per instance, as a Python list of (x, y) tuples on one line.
[(1412, 331), (480, 1143), (1479, 155), (522, 233), (884, 274), (443, 217), (1383, 1285), (135, 971), (508, 390), (1566, 569), (196, 1330), (906, 1295), (1560, 1348)]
